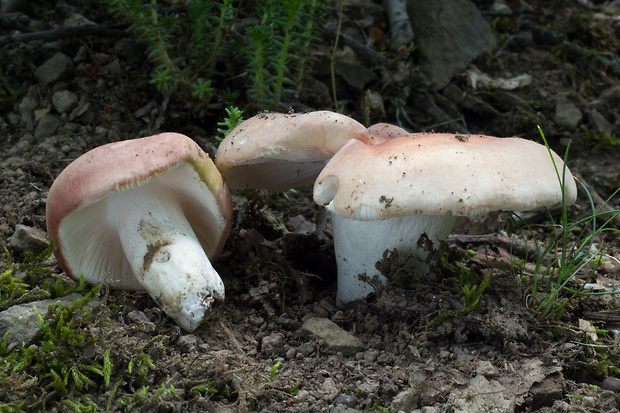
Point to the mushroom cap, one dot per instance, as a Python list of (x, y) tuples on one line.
[(386, 131), (78, 214), (279, 151), (441, 173)]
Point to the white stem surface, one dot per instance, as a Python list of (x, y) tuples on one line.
[(360, 244), (164, 253)]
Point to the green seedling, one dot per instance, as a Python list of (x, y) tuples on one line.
[(549, 289), (233, 118), (274, 371), (293, 391)]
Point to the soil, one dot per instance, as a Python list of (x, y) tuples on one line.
[(419, 350)]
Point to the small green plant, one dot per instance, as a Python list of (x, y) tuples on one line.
[(59, 359), (549, 289), (233, 118), (35, 282), (600, 141), (472, 293), (195, 45), (286, 32), (184, 45), (274, 371), (295, 389), (377, 406), (210, 389), (143, 362), (146, 397)]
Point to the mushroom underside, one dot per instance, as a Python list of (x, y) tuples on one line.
[(276, 174), (142, 237)]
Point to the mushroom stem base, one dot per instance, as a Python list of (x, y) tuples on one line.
[(360, 244), (165, 255)]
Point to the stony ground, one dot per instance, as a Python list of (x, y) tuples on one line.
[(279, 342)]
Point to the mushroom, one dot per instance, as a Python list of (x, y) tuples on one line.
[(279, 151), (385, 196), (385, 131), (144, 214)]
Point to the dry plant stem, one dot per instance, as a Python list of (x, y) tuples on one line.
[(506, 264), (599, 202), (367, 54), (606, 317), (162, 112), (225, 33), (64, 32), (514, 245)]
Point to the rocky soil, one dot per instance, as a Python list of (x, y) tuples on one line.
[(279, 342)]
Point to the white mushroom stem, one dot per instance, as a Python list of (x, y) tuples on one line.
[(359, 244), (164, 253)]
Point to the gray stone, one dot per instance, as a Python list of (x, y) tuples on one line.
[(544, 392), (24, 143), (346, 400), (354, 75), (291, 353), (306, 349), (611, 95), (76, 20), (371, 355), (567, 116), (343, 409), (449, 35), (188, 343), (28, 239), (272, 343), (489, 397), (507, 100), (598, 122), (29, 103), (612, 384), (58, 67), (336, 339), (22, 321), (47, 126), (64, 101), (329, 388), (499, 7), (405, 401)]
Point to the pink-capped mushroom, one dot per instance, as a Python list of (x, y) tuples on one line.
[(385, 196), (144, 214), (280, 151)]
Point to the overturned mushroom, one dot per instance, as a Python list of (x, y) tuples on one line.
[(144, 214), (387, 195), (279, 151)]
